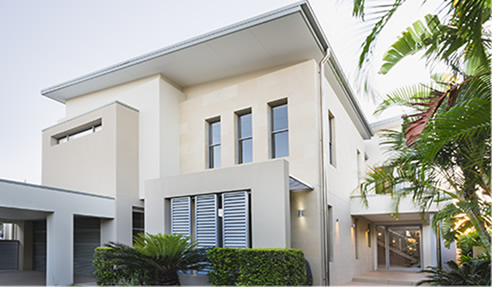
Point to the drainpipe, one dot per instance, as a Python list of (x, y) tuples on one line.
[(325, 254)]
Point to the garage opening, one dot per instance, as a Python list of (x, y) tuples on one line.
[(87, 237)]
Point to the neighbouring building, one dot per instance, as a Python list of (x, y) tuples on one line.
[(248, 136)]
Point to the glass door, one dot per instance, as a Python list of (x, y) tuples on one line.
[(399, 247)]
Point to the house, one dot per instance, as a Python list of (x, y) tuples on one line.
[(248, 136)]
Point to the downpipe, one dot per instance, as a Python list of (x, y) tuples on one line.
[(325, 255)]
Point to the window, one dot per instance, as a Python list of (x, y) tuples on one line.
[(331, 137), (331, 230), (355, 230), (78, 132), (244, 137), (137, 221), (358, 162), (214, 159), (280, 129)]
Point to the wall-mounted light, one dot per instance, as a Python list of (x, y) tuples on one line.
[(337, 220), (353, 225), (300, 212)]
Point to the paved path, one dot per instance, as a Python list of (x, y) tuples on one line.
[(36, 278), (387, 277)]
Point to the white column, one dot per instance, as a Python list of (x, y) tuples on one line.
[(59, 248)]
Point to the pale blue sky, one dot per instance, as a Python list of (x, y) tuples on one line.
[(44, 43)]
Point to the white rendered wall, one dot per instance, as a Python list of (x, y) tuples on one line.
[(60, 207), (342, 181), (156, 100)]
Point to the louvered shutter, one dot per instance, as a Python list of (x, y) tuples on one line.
[(206, 220), (235, 222), (181, 215)]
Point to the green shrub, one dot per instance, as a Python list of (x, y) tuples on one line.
[(224, 266), (108, 273), (466, 242), (475, 272), (257, 267)]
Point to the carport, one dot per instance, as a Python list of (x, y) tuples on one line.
[(56, 229)]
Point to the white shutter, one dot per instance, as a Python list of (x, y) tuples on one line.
[(206, 220), (181, 215), (235, 222)]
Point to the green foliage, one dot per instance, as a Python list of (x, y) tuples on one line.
[(108, 273), (153, 260), (257, 267), (466, 243), (476, 272), (224, 266)]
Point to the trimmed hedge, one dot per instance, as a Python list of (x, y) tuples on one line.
[(107, 274), (255, 266)]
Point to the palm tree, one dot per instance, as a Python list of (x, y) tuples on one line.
[(444, 152), (449, 161), (160, 256), (464, 31)]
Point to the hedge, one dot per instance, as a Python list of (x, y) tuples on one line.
[(108, 274), (255, 266)]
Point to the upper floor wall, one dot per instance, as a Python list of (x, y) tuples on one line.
[(224, 101), (95, 152)]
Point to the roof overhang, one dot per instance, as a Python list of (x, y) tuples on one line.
[(296, 184), (284, 36)]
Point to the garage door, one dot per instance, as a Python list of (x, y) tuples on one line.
[(86, 239)]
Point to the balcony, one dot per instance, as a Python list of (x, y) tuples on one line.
[(381, 208)]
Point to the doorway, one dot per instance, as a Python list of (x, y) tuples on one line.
[(399, 247)]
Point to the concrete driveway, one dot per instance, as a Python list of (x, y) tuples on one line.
[(36, 278)]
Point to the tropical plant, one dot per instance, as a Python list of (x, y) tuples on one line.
[(476, 272), (444, 152), (160, 255), (464, 33)]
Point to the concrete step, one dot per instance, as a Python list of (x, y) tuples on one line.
[(388, 277)]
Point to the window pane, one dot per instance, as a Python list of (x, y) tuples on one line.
[(279, 116), (214, 133), (246, 151), (245, 129), (215, 156), (280, 144)]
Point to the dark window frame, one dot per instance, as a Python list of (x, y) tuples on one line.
[(240, 140), (273, 133), (212, 145)]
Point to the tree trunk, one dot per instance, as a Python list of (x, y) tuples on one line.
[(170, 278)]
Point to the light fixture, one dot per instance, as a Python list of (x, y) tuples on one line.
[(300, 212), (337, 220), (353, 225)]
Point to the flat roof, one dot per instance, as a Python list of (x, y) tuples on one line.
[(255, 44)]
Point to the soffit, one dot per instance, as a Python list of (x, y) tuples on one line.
[(246, 47)]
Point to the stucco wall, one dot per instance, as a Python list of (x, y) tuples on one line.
[(267, 182), (157, 101), (348, 147)]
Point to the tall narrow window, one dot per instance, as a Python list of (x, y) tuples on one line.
[(244, 137), (331, 135), (138, 221), (280, 130), (214, 143), (358, 167)]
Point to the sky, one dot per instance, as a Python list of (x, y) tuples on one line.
[(44, 43)]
